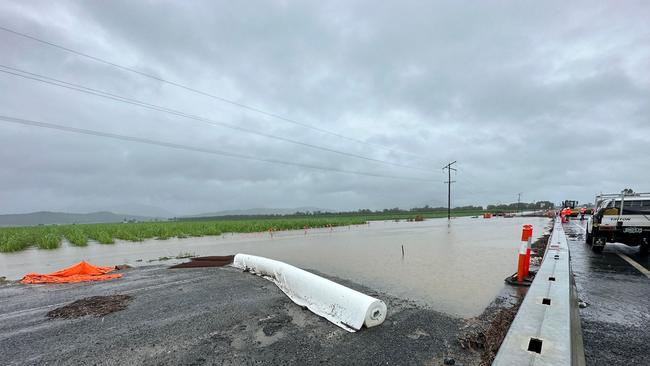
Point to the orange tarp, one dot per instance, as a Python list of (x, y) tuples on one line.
[(80, 272)]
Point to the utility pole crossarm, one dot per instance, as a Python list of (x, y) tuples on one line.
[(449, 182)]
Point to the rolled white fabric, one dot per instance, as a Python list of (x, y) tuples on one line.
[(345, 307)]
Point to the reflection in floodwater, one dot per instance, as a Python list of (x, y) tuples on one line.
[(456, 268)]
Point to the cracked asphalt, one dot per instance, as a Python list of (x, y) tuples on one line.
[(211, 316), (616, 322)]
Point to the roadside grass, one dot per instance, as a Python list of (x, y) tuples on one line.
[(13, 239)]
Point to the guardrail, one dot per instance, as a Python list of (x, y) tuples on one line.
[(546, 329)]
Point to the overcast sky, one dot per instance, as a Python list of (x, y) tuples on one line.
[(548, 99)]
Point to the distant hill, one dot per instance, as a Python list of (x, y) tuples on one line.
[(47, 218), (141, 210), (134, 209), (259, 212)]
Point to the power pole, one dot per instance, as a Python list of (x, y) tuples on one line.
[(449, 182), (519, 202)]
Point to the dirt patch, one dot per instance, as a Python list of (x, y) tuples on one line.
[(539, 246), (497, 331), (485, 333), (95, 305), (212, 258), (209, 261), (270, 325)]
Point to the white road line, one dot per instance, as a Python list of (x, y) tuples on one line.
[(635, 264)]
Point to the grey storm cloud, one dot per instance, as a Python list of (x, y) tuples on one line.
[(550, 99)]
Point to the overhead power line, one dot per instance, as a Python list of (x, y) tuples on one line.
[(207, 94), (172, 145), (471, 181), (100, 93)]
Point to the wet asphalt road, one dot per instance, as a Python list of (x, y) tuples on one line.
[(616, 323), (210, 316)]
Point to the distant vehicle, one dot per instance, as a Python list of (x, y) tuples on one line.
[(623, 218), (573, 205)]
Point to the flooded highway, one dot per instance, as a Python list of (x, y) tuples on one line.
[(456, 268)]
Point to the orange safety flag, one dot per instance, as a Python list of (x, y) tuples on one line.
[(80, 272)]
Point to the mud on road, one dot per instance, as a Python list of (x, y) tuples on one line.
[(94, 305), (212, 316), (485, 333)]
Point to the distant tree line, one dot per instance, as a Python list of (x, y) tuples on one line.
[(395, 210), (539, 205)]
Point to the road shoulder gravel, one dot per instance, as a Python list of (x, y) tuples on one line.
[(212, 316)]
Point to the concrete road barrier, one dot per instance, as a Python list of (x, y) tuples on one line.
[(546, 329)]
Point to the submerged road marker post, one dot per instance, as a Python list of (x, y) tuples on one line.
[(520, 263), (524, 252), (528, 232)]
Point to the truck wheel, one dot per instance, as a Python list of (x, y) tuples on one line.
[(588, 237), (645, 247), (598, 243)]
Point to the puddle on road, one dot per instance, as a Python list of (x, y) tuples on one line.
[(457, 268)]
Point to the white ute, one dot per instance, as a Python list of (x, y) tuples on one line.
[(623, 218)]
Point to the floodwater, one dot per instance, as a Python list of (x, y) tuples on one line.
[(456, 268)]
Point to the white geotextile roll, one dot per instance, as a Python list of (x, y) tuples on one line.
[(345, 307)]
